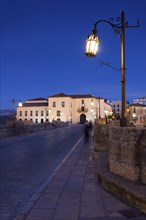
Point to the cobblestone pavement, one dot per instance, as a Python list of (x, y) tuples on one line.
[(75, 194)]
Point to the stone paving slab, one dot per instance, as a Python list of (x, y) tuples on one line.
[(74, 193)]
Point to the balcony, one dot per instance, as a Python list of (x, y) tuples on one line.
[(79, 110)]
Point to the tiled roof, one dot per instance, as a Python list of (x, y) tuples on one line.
[(38, 99), (35, 104), (82, 96), (138, 105), (98, 97), (59, 95), (144, 97), (74, 96)]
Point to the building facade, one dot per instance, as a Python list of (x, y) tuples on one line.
[(141, 100), (137, 114), (63, 107), (117, 108), (33, 110)]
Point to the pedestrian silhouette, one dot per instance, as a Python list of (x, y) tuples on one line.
[(90, 126), (86, 133)]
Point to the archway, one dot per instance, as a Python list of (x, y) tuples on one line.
[(82, 118)]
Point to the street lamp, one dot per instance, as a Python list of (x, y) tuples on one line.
[(20, 104), (94, 110), (14, 101), (134, 117), (92, 44)]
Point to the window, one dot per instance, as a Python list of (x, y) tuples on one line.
[(25, 113), (134, 110), (47, 113), (82, 108), (36, 113), (20, 113), (42, 113), (30, 113), (58, 113), (82, 102), (54, 104), (36, 121), (63, 104)]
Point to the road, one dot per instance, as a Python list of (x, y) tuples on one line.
[(27, 161)]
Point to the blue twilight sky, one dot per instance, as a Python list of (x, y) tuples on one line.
[(43, 49)]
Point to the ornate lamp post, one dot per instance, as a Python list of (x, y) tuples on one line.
[(92, 44)]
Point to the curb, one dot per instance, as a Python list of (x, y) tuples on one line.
[(129, 192)]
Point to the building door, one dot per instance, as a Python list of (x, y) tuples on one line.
[(82, 118)]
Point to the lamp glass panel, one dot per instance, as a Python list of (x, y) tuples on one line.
[(92, 45)]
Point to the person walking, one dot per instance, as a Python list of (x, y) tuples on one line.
[(90, 125), (86, 133)]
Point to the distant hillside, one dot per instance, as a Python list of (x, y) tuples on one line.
[(6, 115), (5, 112)]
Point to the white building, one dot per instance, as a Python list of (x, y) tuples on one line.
[(137, 114), (117, 108), (35, 110), (62, 107)]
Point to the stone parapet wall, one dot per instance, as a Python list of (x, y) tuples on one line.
[(127, 153), (100, 137), (20, 128), (126, 150)]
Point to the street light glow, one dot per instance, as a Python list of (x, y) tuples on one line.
[(92, 45), (20, 104)]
